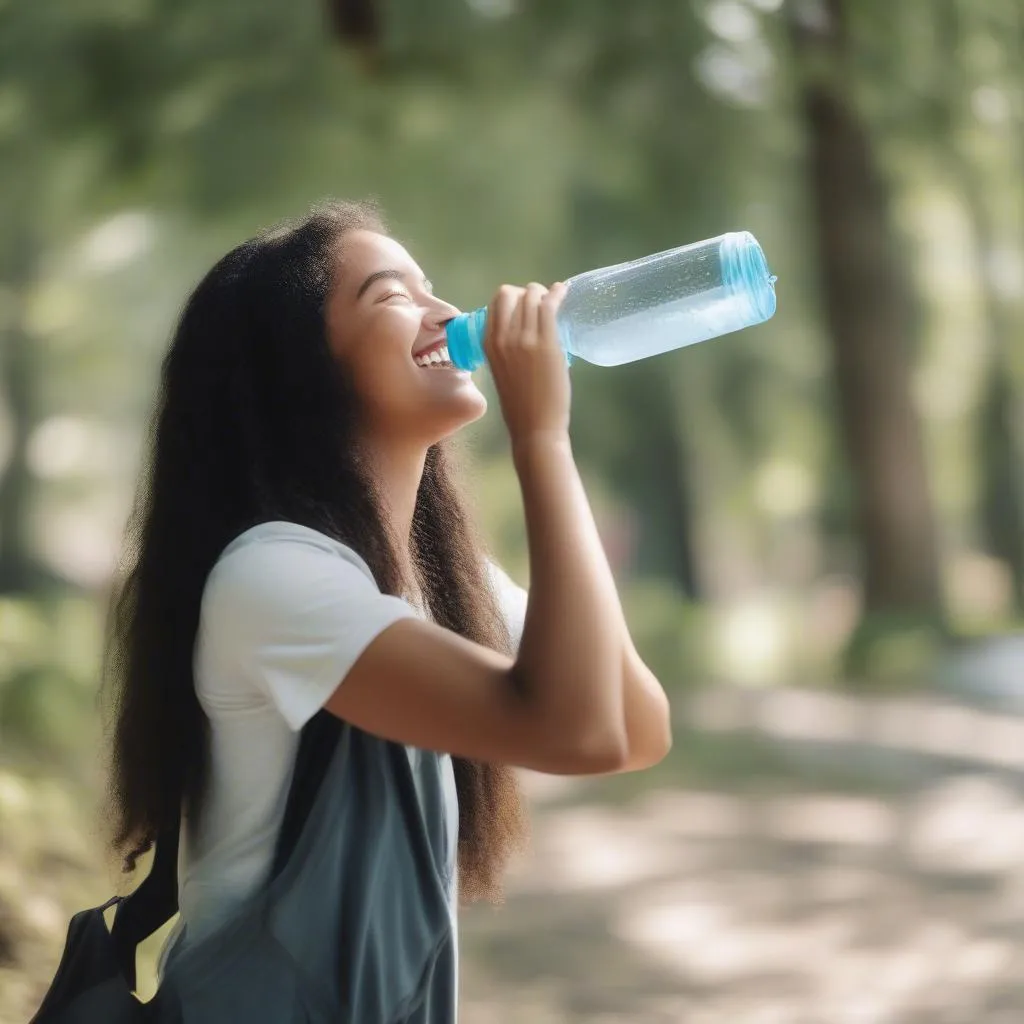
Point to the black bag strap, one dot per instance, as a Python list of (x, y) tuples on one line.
[(320, 737), (150, 906), (155, 901)]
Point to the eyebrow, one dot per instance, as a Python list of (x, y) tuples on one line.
[(386, 275)]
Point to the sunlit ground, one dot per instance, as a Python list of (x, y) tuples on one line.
[(781, 896), (710, 907), (835, 870)]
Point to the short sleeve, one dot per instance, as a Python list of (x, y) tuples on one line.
[(293, 614), (511, 599)]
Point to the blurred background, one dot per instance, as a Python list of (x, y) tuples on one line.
[(817, 524)]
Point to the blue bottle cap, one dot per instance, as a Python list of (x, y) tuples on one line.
[(466, 339), (745, 270)]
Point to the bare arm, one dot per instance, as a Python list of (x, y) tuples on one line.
[(646, 707), (558, 707)]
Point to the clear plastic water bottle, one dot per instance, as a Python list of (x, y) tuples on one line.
[(656, 304)]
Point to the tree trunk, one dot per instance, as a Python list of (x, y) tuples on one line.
[(1002, 485), (867, 305), (678, 501), (670, 494), (18, 569), (998, 445)]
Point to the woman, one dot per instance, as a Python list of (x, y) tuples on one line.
[(299, 545)]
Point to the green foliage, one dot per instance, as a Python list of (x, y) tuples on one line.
[(670, 633), (507, 142), (49, 676), (45, 710), (894, 650)]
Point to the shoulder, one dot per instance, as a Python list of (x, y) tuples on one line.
[(279, 565), (273, 543)]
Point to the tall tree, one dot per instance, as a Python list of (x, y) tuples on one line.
[(19, 572), (999, 435), (869, 311)]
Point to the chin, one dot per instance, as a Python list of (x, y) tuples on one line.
[(457, 416), (479, 407), (467, 410)]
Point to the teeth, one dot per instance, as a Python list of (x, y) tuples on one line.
[(439, 357)]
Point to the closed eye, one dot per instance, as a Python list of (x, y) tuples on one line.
[(395, 295)]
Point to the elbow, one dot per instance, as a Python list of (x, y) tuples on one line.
[(605, 746), (655, 743), (573, 738), (594, 754), (639, 758), (603, 754), (657, 752), (599, 749), (663, 743)]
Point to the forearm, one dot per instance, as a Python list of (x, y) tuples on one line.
[(571, 657)]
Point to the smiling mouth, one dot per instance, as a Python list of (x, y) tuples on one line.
[(437, 357)]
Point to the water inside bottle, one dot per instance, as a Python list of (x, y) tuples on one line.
[(667, 301), (684, 321)]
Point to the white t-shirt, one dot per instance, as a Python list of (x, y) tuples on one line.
[(286, 612)]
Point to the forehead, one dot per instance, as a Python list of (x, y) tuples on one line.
[(366, 252)]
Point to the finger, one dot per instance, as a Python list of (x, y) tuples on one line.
[(499, 314), (549, 313), (515, 322), (530, 327)]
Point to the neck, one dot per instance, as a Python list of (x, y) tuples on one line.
[(397, 472)]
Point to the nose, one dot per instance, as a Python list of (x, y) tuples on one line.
[(439, 313)]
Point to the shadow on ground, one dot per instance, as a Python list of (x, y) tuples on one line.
[(746, 880), (803, 888)]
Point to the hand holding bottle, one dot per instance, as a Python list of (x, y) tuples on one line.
[(527, 361)]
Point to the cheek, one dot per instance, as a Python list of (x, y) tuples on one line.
[(386, 334), (378, 357), (385, 380)]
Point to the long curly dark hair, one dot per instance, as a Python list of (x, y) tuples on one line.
[(256, 421)]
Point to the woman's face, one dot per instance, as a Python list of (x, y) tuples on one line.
[(383, 320)]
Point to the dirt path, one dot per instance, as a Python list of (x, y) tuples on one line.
[(814, 895), (795, 909)]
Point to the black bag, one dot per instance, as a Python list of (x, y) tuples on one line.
[(95, 981)]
